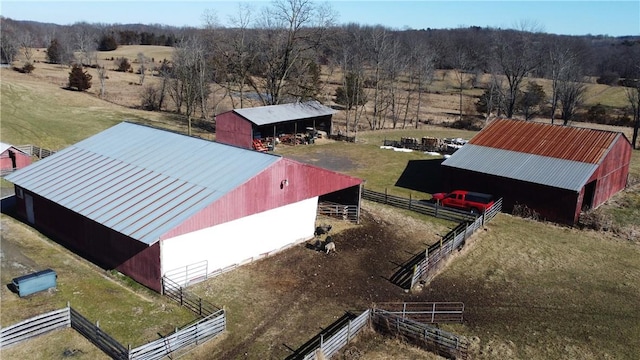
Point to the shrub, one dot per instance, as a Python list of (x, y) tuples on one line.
[(526, 212), (608, 78), (468, 123), (595, 219)]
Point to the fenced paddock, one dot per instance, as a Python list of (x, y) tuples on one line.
[(429, 337), (426, 312), (339, 211), (332, 339), (422, 207), (180, 341)]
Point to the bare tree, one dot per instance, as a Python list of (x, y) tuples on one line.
[(633, 96), (422, 71), (571, 89), (240, 54), (291, 33), (142, 60), (516, 55), (102, 77), (25, 41)]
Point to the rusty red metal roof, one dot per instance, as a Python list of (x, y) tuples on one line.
[(561, 142)]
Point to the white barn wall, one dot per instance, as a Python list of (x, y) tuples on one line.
[(241, 240)]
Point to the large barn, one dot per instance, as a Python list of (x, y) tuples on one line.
[(241, 126), (12, 158), (150, 202), (557, 171)]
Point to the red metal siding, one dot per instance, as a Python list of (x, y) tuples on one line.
[(233, 129), (267, 191), (562, 142), (552, 204), (93, 241), (21, 159), (613, 171)]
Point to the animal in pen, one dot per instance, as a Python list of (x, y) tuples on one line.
[(322, 229), (329, 245)]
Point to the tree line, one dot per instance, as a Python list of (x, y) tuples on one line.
[(275, 55)]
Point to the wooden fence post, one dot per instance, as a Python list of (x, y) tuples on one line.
[(410, 201), (385, 195)]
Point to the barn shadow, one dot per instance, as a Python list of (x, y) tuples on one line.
[(422, 175)]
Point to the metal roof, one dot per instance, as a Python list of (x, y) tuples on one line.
[(141, 181), (4, 147), (265, 115), (545, 170), (562, 142)]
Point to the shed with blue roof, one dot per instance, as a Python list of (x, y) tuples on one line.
[(150, 202)]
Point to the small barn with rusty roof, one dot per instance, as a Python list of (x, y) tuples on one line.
[(241, 126), (12, 158), (556, 171), (153, 203)]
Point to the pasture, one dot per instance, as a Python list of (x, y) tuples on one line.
[(531, 290)]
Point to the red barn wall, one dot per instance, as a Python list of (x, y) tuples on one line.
[(93, 241), (233, 129), (266, 191), (613, 171), (551, 203), (21, 159)]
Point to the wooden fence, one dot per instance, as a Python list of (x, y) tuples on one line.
[(418, 206), (340, 211), (429, 337), (35, 326), (426, 312)]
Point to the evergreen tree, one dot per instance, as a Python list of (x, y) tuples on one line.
[(54, 52), (353, 95), (107, 43), (79, 79)]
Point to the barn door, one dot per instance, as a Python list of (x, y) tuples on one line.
[(28, 201), (589, 193)]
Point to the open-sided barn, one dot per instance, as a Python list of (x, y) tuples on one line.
[(149, 202), (241, 126), (12, 158), (557, 171)]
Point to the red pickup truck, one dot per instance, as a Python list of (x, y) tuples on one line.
[(465, 200)]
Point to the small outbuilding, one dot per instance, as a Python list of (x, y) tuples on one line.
[(153, 203), (241, 127), (12, 158), (556, 171)]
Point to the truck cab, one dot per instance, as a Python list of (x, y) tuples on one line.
[(473, 202)]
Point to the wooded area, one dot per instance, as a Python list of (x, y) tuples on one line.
[(274, 56)]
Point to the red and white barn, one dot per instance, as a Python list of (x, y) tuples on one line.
[(12, 158), (150, 202), (557, 171), (241, 126)]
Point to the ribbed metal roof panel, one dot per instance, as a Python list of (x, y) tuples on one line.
[(556, 141), (141, 181), (265, 115), (559, 173)]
